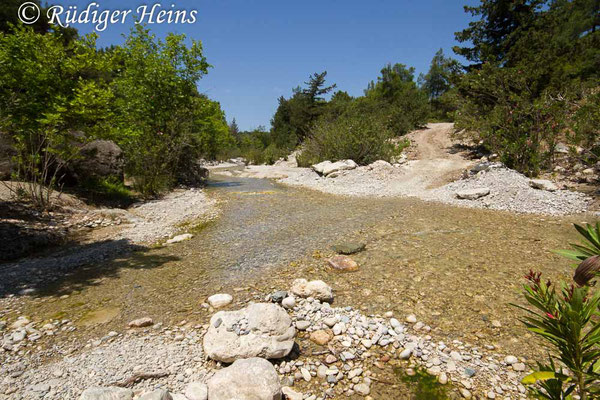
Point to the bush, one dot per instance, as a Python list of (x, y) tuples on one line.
[(362, 138)]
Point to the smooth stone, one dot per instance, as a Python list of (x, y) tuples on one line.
[(141, 322), (321, 337), (291, 394), (289, 302), (302, 325), (362, 389), (342, 263), (510, 360), (520, 367), (472, 194), (543, 184), (278, 296), (196, 391), (348, 248), (251, 378), (411, 318), (220, 300), (316, 289)]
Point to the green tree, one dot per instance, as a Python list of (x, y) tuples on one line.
[(397, 94), (156, 104)]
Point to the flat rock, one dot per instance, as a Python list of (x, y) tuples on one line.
[(220, 300), (348, 248), (260, 329), (180, 238), (327, 167), (343, 263), (109, 393), (141, 322), (316, 289), (472, 194), (543, 184), (252, 378)]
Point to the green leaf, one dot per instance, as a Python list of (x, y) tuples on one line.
[(538, 376)]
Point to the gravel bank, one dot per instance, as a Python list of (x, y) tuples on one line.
[(352, 353)]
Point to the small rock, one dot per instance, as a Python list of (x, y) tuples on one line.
[(289, 302), (141, 322), (411, 318), (196, 391), (520, 367), (278, 296), (220, 300), (472, 194), (302, 325), (305, 374), (343, 263), (348, 248), (291, 394), (510, 360), (180, 238), (362, 389), (543, 184), (321, 337), (316, 289)]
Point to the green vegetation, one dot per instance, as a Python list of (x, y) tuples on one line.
[(423, 385), (566, 318), (141, 95), (343, 127), (533, 79)]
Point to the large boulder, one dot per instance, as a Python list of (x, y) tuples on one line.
[(99, 159), (250, 379), (316, 289), (327, 167), (108, 393), (258, 330)]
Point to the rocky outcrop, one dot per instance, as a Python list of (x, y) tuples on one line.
[(316, 289), (261, 329)]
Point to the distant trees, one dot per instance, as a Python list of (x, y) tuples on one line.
[(533, 78), (439, 84)]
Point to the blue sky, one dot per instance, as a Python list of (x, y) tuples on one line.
[(260, 50)]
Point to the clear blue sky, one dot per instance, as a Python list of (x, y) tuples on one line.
[(260, 50)]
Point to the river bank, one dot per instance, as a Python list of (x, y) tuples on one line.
[(418, 259)]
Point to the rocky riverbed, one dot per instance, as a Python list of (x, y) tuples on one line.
[(340, 352)]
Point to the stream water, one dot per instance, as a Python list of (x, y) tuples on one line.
[(457, 269)]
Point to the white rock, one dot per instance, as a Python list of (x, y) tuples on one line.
[(141, 322), (472, 194), (326, 168), (411, 318), (252, 378), (109, 393), (510, 360), (316, 289), (159, 394), (261, 329), (180, 238), (196, 391), (220, 300), (289, 302), (362, 389), (543, 184), (291, 394)]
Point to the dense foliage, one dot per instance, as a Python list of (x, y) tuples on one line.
[(57, 94), (533, 79)]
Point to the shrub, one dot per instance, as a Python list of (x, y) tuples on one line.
[(566, 318), (362, 138)]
